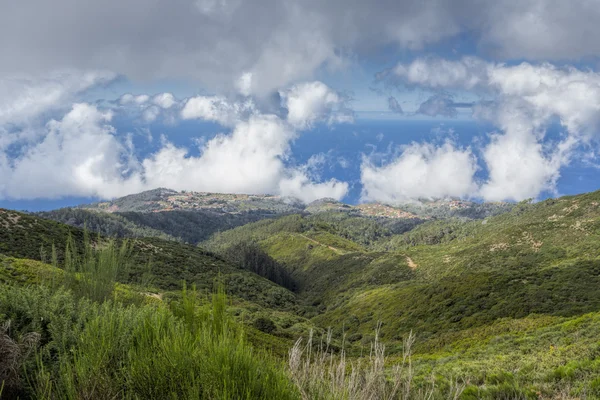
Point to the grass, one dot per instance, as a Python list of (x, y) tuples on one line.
[(29, 237), (86, 349), (503, 308)]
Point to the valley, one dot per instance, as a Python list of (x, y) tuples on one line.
[(502, 300)]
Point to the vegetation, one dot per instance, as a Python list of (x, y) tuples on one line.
[(86, 349), (29, 237), (75, 335), (502, 307), (250, 256), (184, 226)]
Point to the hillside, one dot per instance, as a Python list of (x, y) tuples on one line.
[(193, 217), (523, 272), (30, 237), (509, 303), (159, 200), (453, 274)]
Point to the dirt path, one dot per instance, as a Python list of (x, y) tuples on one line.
[(411, 264), (336, 250)]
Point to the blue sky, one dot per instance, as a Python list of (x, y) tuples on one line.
[(388, 101)]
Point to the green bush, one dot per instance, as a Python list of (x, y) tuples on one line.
[(264, 324), (108, 350)]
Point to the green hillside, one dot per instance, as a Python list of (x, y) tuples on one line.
[(31, 237), (460, 285), (503, 307), (191, 226)]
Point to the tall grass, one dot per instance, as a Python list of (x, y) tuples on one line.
[(88, 346), (320, 373), (93, 350), (93, 270), (14, 351)]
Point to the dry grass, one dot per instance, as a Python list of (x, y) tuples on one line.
[(13, 352), (319, 373)]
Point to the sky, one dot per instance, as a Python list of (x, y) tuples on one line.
[(380, 100)]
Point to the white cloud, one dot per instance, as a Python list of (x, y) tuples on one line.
[(543, 90), (526, 100), (244, 84), (519, 168), (421, 171), (343, 162), (217, 109), (83, 155), (164, 100), (148, 108), (249, 160), (300, 186), (23, 99), (78, 156), (129, 98), (151, 113), (435, 73), (308, 103)]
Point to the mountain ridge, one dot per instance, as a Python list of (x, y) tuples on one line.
[(164, 200)]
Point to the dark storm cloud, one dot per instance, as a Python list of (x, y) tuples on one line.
[(215, 41)]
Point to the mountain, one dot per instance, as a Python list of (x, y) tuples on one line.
[(160, 200), (193, 217), (503, 297), (501, 290)]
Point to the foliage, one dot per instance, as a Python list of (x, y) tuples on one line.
[(321, 374), (107, 350), (508, 303), (171, 262), (251, 257)]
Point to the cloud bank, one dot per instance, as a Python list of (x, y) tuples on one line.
[(82, 154), (421, 171), (259, 60), (260, 46), (521, 101)]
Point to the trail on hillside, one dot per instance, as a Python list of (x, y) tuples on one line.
[(411, 264), (336, 250)]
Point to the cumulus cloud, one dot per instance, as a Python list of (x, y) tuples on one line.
[(244, 84), (164, 100), (217, 109), (24, 98), (422, 170), (520, 168), (526, 99), (435, 73), (82, 154), (300, 186), (308, 103), (78, 156), (249, 160), (129, 98), (540, 91), (148, 108)]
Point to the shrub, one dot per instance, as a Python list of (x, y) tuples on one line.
[(265, 325)]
